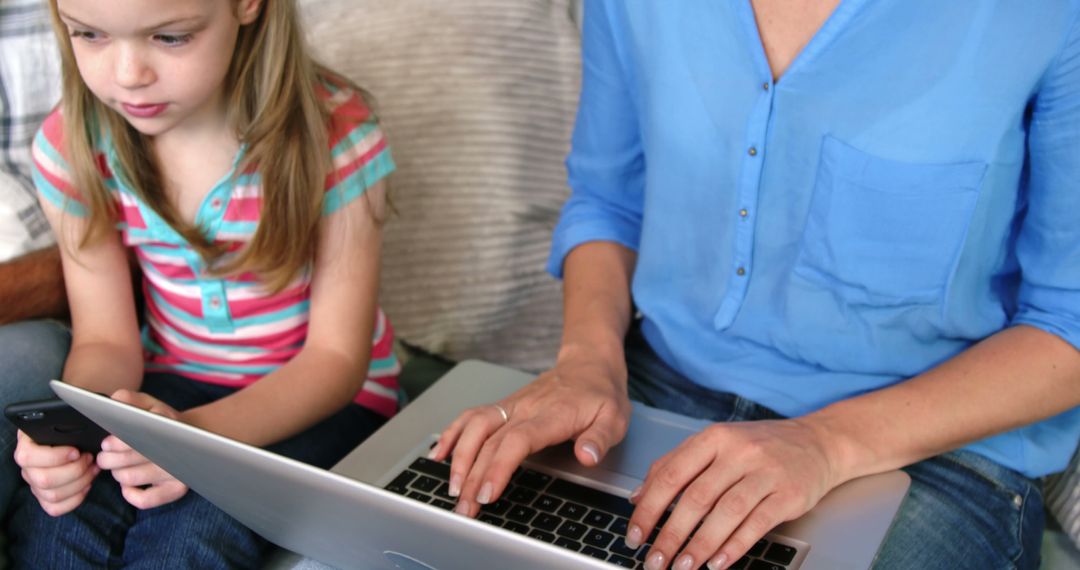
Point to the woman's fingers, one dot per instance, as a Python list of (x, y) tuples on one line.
[(480, 423)]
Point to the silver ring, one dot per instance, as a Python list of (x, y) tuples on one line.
[(502, 411)]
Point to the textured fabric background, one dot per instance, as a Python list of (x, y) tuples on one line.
[(29, 88), (1063, 499), (478, 99)]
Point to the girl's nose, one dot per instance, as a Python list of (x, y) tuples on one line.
[(132, 69)]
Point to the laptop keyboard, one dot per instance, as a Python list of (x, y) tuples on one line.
[(565, 514)]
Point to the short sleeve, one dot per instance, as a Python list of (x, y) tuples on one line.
[(52, 177), (358, 150), (1048, 245)]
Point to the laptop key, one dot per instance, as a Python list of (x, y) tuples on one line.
[(571, 529), (521, 495), (433, 468), (397, 489), (547, 521), (521, 514), (594, 552), (533, 479), (403, 479), (567, 543), (764, 565), (591, 497), (490, 519), (621, 561), (620, 547), (497, 508), (781, 554), (419, 497), (758, 548), (572, 511), (547, 503), (740, 564), (544, 536), (444, 505), (599, 519), (620, 525), (642, 552), (516, 527), (598, 538), (444, 492), (425, 484)]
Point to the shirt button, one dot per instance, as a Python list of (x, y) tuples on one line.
[(740, 271), (752, 151), (215, 301), (743, 213), (215, 203), (765, 86)]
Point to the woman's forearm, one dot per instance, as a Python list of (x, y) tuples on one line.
[(1016, 377)]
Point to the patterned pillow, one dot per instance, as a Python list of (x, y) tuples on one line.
[(29, 88), (1063, 498), (478, 99)]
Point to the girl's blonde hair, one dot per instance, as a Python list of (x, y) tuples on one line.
[(272, 102)]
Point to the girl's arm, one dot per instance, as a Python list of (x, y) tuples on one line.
[(332, 366), (106, 353)]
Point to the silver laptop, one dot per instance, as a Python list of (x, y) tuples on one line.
[(385, 505)]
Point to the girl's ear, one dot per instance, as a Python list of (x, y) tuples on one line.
[(248, 11)]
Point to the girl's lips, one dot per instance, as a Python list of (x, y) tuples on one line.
[(144, 111)]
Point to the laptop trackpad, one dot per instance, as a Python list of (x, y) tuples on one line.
[(652, 433)]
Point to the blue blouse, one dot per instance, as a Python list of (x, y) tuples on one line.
[(909, 186)]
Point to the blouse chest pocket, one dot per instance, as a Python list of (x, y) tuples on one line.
[(886, 233)]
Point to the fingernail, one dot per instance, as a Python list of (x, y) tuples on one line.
[(455, 485), (718, 563), (484, 496), (635, 494), (462, 508), (655, 562), (633, 536), (434, 452), (592, 450), (73, 455), (685, 562)]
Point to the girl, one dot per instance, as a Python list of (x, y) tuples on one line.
[(199, 135)]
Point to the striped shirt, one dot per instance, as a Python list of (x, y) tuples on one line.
[(229, 330)]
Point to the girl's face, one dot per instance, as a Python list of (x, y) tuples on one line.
[(161, 64)]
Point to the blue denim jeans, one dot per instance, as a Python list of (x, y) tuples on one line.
[(31, 354), (963, 511), (106, 532)]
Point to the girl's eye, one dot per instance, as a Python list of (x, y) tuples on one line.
[(86, 35), (173, 40)]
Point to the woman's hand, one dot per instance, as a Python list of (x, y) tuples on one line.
[(59, 477), (582, 398), (738, 480), (143, 484)]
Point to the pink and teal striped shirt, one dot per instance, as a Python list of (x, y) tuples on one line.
[(229, 331)]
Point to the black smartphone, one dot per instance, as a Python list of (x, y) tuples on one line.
[(55, 422)]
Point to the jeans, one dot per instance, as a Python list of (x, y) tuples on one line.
[(31, 354), (106, 532), (962, 510)]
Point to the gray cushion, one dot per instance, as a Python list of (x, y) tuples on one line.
[(478, 99)]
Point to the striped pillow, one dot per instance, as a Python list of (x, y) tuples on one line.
[(477, 98), (1062, 494)]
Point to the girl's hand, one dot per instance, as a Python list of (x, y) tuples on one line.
[(59, 477), (738, 480), (580, 399), (143, 484)]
